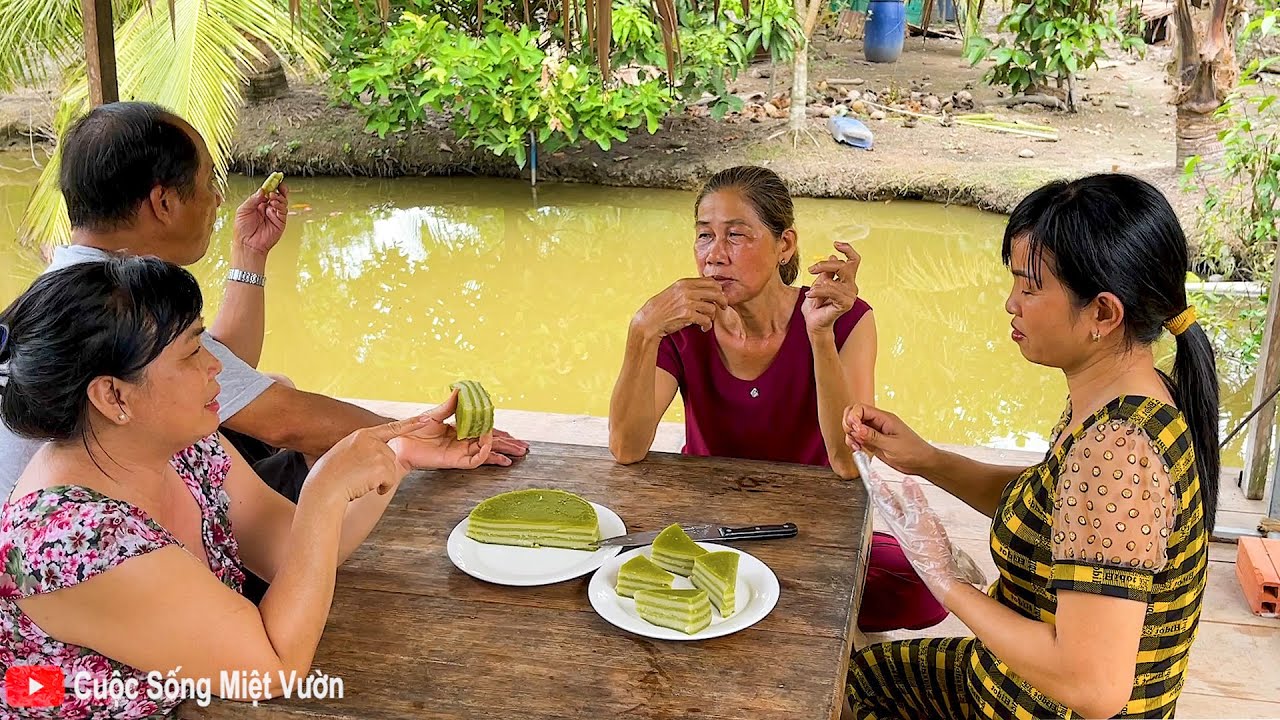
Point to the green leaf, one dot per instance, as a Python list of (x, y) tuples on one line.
[(1268, 23)]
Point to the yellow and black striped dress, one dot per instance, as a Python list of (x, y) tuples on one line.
[(1113, 510)]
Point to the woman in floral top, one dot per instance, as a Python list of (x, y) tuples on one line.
[(125, 542)]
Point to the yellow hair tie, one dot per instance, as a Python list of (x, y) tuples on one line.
[(1179, 323)]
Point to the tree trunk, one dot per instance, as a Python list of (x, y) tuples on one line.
[(1197, 130), (807, 14), (799, 84), (264, 79), (1205, 72)]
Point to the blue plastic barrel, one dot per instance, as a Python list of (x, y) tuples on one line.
[(885, 31)]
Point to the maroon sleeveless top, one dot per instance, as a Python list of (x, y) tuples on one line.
[(775, 416)]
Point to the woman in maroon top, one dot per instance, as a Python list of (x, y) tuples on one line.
[(765, 369)]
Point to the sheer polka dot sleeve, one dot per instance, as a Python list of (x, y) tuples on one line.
[(1113, 513)]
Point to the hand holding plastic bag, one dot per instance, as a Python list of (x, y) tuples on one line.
[(919, 530)]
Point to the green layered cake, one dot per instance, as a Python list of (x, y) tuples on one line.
[(673, 551), (717, 573), (535, 518), (474, 416), (688, 611), (639, 573), (272, 182)]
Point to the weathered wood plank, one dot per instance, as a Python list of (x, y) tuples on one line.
[(804, 607), (1262, 427), (1231, 495), (1235, 661), (430, 661), (412, 636), (99, 51), (1195, 706)]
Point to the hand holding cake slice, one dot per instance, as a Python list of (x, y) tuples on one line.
[(688, 611), (717, 573), (674, 551), (639, 573), (535, 518)]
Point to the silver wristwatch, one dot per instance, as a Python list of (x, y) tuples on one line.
[(244, 276)]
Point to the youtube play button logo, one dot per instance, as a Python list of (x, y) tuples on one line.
[(34, 686)]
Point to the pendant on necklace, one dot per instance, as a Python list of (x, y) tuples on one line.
[(755, 392)]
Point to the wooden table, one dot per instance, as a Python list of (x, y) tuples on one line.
[(412, 636)]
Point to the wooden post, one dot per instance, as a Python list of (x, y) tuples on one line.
[(1274, 513), (100, 52), (1257, 447)]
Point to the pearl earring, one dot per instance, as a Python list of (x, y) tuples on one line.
[(121, 417)]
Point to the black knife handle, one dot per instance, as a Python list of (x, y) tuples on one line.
[(760, 532)]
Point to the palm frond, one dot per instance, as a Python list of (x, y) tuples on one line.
[(45, 220), (30, 29), (190, 63), (41, 37), (669, 21)]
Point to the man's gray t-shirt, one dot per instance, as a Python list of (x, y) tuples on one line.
[(241, 384)]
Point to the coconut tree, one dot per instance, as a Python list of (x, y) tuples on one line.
[(1205, 71)]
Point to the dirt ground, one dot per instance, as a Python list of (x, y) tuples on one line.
[(1126, 124)]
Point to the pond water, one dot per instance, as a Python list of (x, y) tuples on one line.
[(392, 289)]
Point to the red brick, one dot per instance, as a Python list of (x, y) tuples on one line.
[(1258, 570)]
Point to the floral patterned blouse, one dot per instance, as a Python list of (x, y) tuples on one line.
[(56, 537)]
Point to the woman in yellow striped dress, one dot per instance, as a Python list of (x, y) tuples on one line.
[(1102, 547)]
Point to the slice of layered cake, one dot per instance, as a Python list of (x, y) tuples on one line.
[(535, 518), (673, 551), (688, 611), (717, 573), (639, 573)]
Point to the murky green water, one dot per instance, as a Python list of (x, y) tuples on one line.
[(392, 289)]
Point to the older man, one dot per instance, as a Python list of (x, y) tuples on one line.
[(140, 180)]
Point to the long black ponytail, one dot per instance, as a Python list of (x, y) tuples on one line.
[(1195, 390), (1118, 234)]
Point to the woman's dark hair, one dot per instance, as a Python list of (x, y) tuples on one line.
[(112, 157), (768, 195), (104, 318), (1115, 233)]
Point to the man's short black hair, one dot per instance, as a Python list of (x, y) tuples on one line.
[(112, 158)]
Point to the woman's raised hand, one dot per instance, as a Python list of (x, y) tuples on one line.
[(834, 291), (691, 301)]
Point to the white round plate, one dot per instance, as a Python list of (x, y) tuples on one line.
[(511, 565), (755, 594)]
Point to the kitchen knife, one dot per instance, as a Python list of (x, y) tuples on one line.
[(709, 532)]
